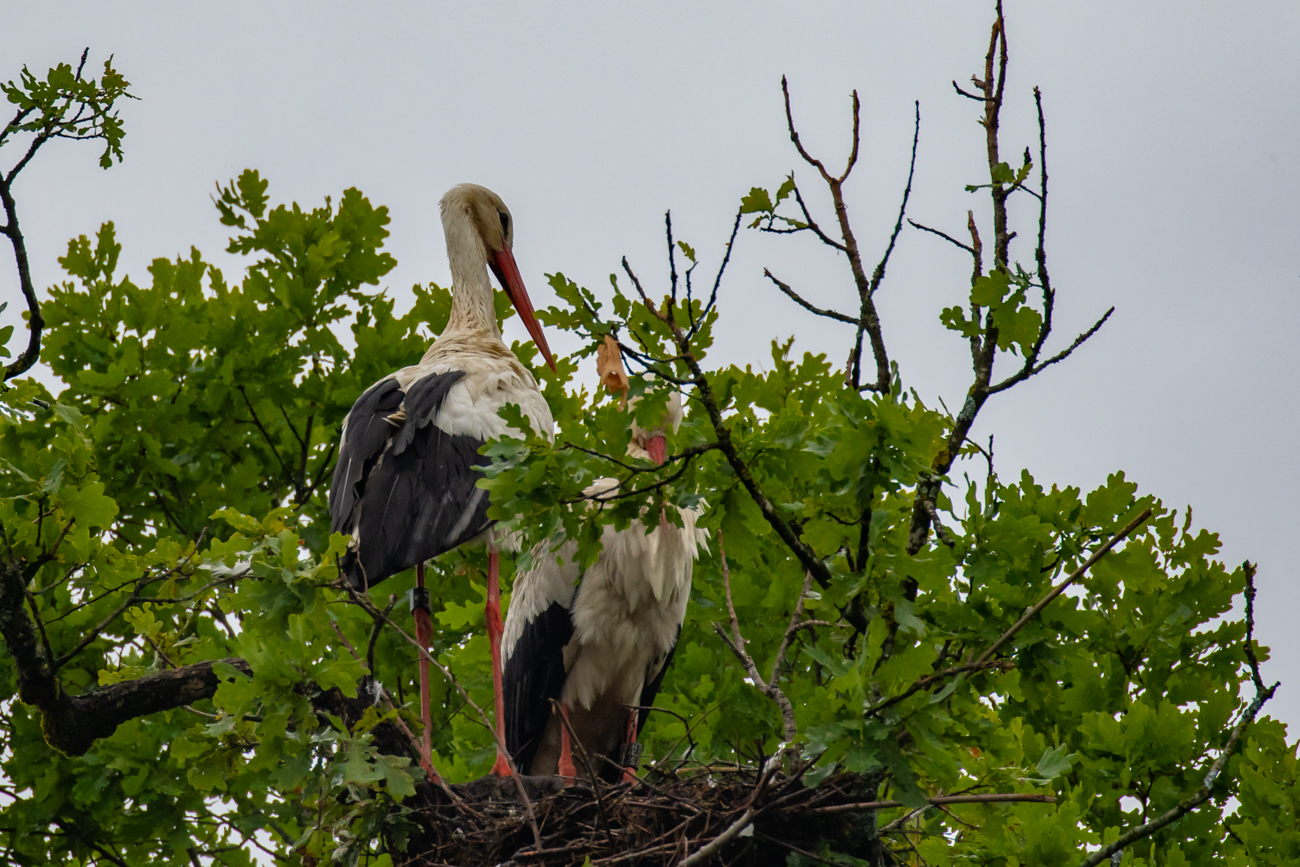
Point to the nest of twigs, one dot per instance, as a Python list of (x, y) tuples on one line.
[(733, 814)]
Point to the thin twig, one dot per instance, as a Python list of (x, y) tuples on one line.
[(796, 298), (288, 474), (722, 436), (717, 281), (949, 238), (932, 679), (1024, 373), (374, 633), (1249, 569)]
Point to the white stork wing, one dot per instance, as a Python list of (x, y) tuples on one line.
[(537, 629), (404, 488)]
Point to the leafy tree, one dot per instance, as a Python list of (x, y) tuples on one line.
[(907, 666)]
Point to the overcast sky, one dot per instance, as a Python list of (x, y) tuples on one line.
[(1174, 152)]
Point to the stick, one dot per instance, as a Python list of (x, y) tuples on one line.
[(990, 798), (1059, 588)]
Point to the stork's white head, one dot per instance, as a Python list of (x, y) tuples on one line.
[(652, 444), (480, 234)]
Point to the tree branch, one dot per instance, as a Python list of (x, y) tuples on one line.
[(989, 798), (1191, 802), (722, 435), (35, 322), (868, 320), (949, 238), (794, 134), (288, 473), (1027, 372), (736, 643), (1059, 588), (796, 298)]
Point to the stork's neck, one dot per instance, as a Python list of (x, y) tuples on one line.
[(471, 300)]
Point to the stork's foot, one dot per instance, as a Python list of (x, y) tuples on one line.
[(502, 767), (629, 776)]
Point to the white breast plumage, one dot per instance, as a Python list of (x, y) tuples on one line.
[(491, 380)]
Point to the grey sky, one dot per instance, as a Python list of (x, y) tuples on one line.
[(1174, 152)]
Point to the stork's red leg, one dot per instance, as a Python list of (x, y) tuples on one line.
[(631, 749), (565, 769), (424, 635), (494, 628)]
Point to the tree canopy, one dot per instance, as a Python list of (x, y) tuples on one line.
[(910, 656)]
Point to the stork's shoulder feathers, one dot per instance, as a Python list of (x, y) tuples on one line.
[(492, 377)]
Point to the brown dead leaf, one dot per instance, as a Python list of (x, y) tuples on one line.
[(609, 365)]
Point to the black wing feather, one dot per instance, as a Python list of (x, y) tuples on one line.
[(533, 676), (409, 489), (651, 689)]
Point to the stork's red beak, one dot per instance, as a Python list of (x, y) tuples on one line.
[(658, 449), (503, 265)]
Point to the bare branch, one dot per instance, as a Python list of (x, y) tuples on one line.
[(35, 322), (1249, 569), (794, 135), (672, 256), (853, 155), (717, 281), (1024, 374), (795, 297), (288, 474), (868, 320), (714, 846), (722, 436), (811, 225), (374, 633), (938, 677), (939, 529), (796, 623), (949, 238), (879, 274)]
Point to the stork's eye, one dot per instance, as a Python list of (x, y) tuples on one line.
[(505, 223)]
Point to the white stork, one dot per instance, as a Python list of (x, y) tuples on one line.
[(404, 487), (598, 642)]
